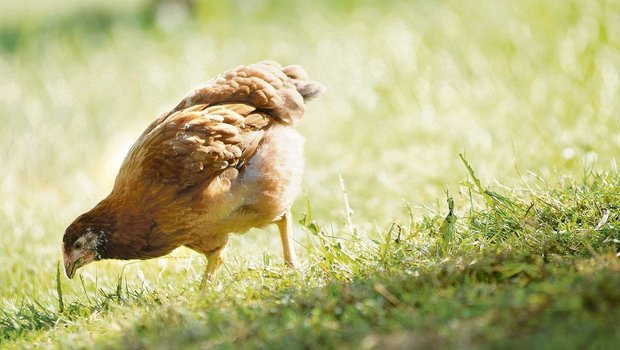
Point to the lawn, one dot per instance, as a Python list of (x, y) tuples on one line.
[(461, 186)]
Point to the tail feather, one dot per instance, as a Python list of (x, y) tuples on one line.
[(309, 89), (281, 92)]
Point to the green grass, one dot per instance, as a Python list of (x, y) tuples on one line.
[(527, 92)]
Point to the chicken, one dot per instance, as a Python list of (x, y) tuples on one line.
[(224, 160)]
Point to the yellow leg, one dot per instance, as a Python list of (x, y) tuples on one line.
[(285, 226), (214, 261)]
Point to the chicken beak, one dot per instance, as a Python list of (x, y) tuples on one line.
[(70, 266), (72, 261), (76, 259)]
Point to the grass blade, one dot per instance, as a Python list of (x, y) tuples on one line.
[(481, 190), (447, 227), (61, 304)]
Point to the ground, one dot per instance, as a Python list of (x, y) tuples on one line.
[(461, 188)]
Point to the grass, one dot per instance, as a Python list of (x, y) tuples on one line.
[(513, 244), (531, 285)]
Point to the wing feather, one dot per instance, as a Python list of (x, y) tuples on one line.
[(218, 126), (194, 145)]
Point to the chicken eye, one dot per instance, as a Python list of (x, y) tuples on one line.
[(77, 245)]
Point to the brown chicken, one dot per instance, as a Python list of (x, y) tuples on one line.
[(224, 160)]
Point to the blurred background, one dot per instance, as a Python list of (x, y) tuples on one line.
[(527, 90)]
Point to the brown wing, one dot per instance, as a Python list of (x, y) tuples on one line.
[(194, 145), (216, 127)]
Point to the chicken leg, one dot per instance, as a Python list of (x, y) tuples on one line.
[(285, 226), (214, 261)]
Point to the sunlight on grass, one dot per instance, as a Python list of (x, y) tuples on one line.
[(526, 91)]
